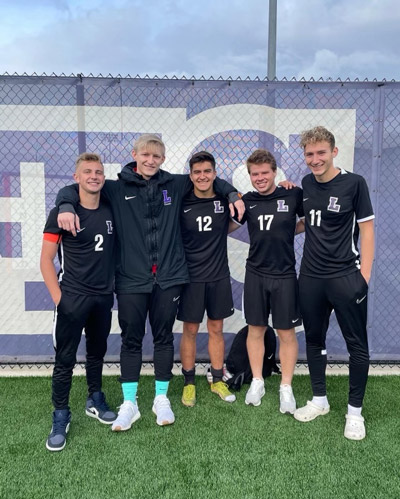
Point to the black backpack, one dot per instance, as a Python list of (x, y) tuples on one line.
[(238, 364)]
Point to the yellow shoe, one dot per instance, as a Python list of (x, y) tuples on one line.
[(189, 395), (221, 389)]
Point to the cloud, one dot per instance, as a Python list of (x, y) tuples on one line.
[(328, 38)]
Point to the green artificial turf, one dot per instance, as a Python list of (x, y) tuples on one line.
[(214, 450)]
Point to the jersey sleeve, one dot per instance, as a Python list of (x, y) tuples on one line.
[(51, 231), (222, 187), (299, 203), (68, 194), (362, 202)]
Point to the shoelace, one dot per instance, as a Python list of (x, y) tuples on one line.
[(164, 402)]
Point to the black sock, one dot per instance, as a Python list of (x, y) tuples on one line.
[(189, 376), (216, 374)]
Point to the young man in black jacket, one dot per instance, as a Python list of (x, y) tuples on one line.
[(151, 266)]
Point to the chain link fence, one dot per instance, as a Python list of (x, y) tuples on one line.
[(45, 122)]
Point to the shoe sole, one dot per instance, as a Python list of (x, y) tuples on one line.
[(166, 422), (222, 398), (258, 403), (188, 404), (95, 415), (57, 449), (287, 412), (126, 428)]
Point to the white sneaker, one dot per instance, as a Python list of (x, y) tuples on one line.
[(355, 427), (128, 413), (310, 412), (255, 393), (162, 409), (287, 400)]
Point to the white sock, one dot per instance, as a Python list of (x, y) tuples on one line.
[(320, 401), (354, 411)]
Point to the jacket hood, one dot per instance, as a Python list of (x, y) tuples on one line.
[(129, 174)]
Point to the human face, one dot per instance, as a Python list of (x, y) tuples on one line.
[(202, 175), (90, 176), (319, 158), (148, 159), (262, 178)]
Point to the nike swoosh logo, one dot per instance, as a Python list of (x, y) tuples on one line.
[(185, 211), (80, 230), (295, 320), (305, 199), (359, 300), (251, 207), (175, 298), (127, 198), (270, 357)]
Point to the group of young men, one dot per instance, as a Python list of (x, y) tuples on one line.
[(169, 234)]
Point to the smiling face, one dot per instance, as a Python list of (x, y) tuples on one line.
[(149, 159), (202, 175), (262, 178), (90, 176), (319, 158)]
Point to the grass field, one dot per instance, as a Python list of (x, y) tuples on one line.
[(214, 450)]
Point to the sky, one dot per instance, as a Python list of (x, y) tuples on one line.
[(211, 38)]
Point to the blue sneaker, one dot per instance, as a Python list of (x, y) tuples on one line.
[(96, 407), (57, 438)]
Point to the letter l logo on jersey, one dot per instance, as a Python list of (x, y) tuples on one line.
[(167, 199), (332, 205), (281, 205), (217, 207)]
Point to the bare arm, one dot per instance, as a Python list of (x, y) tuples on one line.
[(47, 267), (367, 248), (300, 226)]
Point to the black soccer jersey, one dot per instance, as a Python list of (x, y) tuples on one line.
[(87, 261), (332, 210), (271, 222), (204, 225)]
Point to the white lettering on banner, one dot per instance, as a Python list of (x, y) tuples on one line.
[(181, 136)]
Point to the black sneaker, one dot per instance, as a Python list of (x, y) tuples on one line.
[(96, 407), (57, 438)]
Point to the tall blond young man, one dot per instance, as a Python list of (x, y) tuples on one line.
[(205, 221), (270, 281), (333, 274), (83, 296), (151, 266)]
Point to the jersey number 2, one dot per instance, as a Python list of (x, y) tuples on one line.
[(99, 241)]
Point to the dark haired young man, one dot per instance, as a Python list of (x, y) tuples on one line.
[(337, 210), (204, 223)]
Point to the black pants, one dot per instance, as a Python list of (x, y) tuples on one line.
[(161, 305), (346, 295), (73, 314)]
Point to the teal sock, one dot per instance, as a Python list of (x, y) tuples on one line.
[(129, 391), (161, 387)]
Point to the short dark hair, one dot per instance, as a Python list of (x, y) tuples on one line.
[(202, 157), (317, 134), (260, 156)]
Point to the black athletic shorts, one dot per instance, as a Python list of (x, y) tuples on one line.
[(213, 297), (264, 295)]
